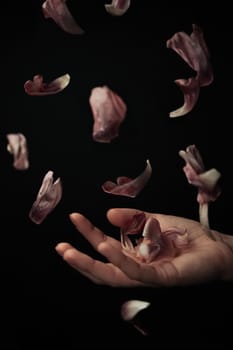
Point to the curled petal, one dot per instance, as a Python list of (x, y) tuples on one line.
[(38, 88), (205, 181), (209, 189), (131, 187), (17, 145), (190, 88), (59, 12), (117, 7), (131, 308), (193, 158), (153, 242), (109, 111), (194, 51), (48, 197), (179, 236)]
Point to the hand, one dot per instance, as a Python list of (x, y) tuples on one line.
[(203, 260)]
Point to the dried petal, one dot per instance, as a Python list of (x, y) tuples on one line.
[(117, 7), (59, 12), (194, 51), (206, 181), (48, 197), (17, 145), (153, 242), (38, 88), (109, 111), (129, 187)]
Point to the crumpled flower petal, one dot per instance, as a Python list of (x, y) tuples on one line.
[(118, 7), (37, 87), (109, 111), (205, 181), (48, 197), (194, 51), (153, 242), (128, 187), (17, 145), (59, 12), (190, 88)]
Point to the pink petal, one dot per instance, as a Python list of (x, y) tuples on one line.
[(117, 7), (17, 145), (129, 188), (190, 88), (194, 52), (48, 197), (38, 88), (59, 12), (178, 236), (109, 111)]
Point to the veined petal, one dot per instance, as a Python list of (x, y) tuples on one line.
[(38, 88), (109, 111), (130, 188), (59, 12), (48, 197)]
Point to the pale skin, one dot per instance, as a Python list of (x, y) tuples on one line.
[(203, 260)]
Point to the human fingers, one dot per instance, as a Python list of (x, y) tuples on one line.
[(62, 249), (120, 216), (97, 271), (93, 235)]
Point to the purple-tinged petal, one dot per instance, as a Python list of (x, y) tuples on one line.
[(117, 7), (17, 145), (190, 88), (130, 188), (194, 51), (37, 87), (109, 111), (48, 197), (59, 12)]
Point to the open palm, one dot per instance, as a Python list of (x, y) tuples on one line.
[(203, 260)]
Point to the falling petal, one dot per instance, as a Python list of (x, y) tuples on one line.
[(129, 187), (59, 12), (38, 88), (131, 308), (109, 111), (48, 197), (117, 7), (17, 145), (193, 49), (190, 88)]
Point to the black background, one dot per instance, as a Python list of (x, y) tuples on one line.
[(43, 300)]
